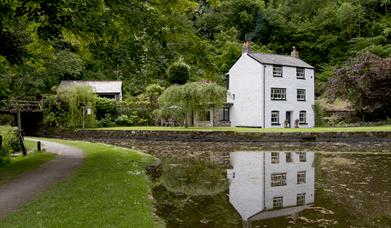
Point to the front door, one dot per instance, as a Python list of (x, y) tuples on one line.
[(288, 119)]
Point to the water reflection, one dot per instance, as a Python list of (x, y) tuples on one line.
[(271, 184)]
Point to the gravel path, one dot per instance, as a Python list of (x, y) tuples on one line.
[(27, 186)]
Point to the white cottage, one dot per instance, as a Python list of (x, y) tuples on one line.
[(271, 91), (271, 184)]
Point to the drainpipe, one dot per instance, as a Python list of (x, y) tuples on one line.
[(264, 93)]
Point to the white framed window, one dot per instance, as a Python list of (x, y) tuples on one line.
[(275, 118), (302, 117), (302, 156), (275, 157), (301, 177), (277, 71), (301, 94), (278, 93), (277, 202), (300, 199), (278, 179), (300, 73), (288, 157)]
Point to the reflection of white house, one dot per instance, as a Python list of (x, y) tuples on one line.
[(108, 89), (271, 184), (269, 91)]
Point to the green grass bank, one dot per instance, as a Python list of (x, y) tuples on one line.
[(21, 164), (110, 190), (247, 129)]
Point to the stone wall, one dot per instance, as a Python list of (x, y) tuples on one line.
[(221, 136)]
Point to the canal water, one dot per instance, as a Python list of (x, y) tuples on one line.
[(275, 189)]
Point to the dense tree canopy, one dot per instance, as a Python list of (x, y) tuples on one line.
[(43, 42)]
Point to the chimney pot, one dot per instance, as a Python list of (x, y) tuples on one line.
[(295, 52), (246, 46)]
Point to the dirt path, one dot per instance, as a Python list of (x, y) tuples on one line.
[(27, 186)]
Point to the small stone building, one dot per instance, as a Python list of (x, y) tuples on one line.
[(107, 89)]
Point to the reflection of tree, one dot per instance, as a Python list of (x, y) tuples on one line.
[(182, 210), (353, 188), (193, 178)]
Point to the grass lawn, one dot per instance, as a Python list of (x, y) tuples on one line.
[(243, 129), (21, 164), (110, 190)]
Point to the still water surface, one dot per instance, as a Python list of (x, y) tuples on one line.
[(276, 189)]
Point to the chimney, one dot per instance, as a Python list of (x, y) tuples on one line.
[(295, 52), (246, 46)]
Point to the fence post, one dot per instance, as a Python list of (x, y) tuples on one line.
[(1, 141), (39, 145)]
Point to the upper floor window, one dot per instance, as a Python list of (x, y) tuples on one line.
[(302, 117), (275, 117), (300, 199), (301, 94), (277, 71), (278, 94), (278, 179), (277, 202), (275, 157), (300, 73), (301, 177)]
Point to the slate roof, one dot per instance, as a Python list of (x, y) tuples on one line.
[(274, 59), (97, 86)]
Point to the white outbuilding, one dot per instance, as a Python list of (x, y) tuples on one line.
[(271, 91)]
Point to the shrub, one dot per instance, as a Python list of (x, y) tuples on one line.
[(105, 122), (10, 143), (123, 120), (105, 106)]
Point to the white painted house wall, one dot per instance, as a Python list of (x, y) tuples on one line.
[(250, 190), (291, 189), (245, 93), (247, 88)]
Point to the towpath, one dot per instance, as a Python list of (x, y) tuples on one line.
[(28, 185)]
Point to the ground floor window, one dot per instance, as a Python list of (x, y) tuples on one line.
[(300, 199), (303, 117), (278, 179), (277, 202), (275, 157), (302, 156), (288, 156), (225, 114), (275, 118)]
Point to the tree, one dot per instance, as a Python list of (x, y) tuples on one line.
[(366, 83), (193, 97), (179, 72), (78, 99)]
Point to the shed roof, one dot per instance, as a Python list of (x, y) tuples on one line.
[(275, 59), (97, 86)]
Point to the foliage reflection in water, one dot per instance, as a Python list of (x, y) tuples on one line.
[(276, 189)]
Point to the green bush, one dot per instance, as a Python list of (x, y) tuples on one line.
[(123, 120), (105, 106), (10, 143), (105, 122)]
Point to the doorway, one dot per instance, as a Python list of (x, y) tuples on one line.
[(288, 119)]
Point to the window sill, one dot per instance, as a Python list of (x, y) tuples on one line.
[(301, 78), (303, 123), (301, 100), (278, 99), (276, 76), (276, 124)]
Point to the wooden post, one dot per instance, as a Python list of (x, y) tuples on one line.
[(19, 119), (1, 141), (39, 145)]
